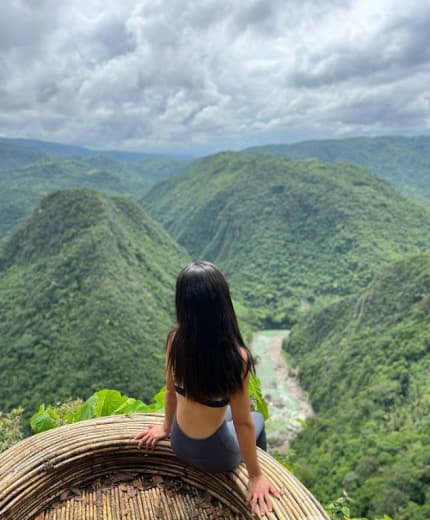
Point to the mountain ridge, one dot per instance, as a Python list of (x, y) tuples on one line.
[(402, 161)]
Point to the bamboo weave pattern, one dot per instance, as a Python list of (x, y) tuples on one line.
[(93, 470)]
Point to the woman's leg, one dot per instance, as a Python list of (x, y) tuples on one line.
[(260, 431)]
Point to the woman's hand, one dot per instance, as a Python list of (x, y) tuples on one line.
[(259, 489), (151, 436)]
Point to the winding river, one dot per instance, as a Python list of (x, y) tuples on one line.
[(287, 402)]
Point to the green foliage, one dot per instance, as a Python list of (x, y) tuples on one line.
[(10, 428), (288, 233), (364, 360), (44, 419), (102, 403), (87, 286), (402, 161), (254, 390), (339, 509)]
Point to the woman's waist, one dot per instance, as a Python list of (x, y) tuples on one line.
[(196, 423)]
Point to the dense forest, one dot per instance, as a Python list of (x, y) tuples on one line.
[(402, 161), (288, 233), (371, 431), (87, 285)]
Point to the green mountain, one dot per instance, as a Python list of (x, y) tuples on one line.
[(365, 362), (402, 161), (25, 177), (87, 298), (288, 232)]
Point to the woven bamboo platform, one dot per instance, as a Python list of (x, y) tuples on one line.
[(94, 470)]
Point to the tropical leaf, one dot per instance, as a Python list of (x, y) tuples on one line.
[(254, 390), (108, 401), (88, 408), (43, 419)]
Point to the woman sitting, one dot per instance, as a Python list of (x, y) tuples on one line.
[(207, 407)]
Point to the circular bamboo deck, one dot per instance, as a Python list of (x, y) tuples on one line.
[(94, 470)]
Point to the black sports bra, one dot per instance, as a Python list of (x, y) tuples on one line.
[(207, 402)]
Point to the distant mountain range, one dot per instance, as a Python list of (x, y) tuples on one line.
[(87, 298), (30, 169), (27, 174), (65, 150), (365, 362), (402, 161), (288, 232)]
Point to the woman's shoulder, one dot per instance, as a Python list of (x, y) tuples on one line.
[(244, 353), (247, 360), (169, 340)]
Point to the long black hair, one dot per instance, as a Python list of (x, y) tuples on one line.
[(204, 355)]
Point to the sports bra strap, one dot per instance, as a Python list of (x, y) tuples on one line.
[(207, 402)]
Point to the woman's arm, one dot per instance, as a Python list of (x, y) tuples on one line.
[(259, 488), (156, 432), (245, 429), (170, 397)]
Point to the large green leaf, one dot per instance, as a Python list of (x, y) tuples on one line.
[(108, 401), (254, 390), (88, 408), (158, 404)]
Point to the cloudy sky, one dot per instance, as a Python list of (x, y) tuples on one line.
[(196, 76)]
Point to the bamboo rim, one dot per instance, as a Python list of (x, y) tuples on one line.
[(37, 469)]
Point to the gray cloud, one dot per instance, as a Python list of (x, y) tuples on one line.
[(174, 75)]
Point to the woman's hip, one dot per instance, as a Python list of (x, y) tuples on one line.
[(218, 452)]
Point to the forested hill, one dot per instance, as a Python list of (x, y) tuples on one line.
[(27, 174), (286, 232), (402, 161), (365, 361), (87, 297)]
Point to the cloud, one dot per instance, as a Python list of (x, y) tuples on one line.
[(177, 75)]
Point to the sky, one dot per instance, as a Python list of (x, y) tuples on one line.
[(187, 76)]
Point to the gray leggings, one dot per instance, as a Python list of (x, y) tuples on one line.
[(218, 452)]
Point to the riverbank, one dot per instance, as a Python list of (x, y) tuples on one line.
[(288, 403)]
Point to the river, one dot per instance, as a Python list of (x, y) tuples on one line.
[(287, 402)]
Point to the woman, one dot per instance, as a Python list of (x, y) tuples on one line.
[(207, 408)]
